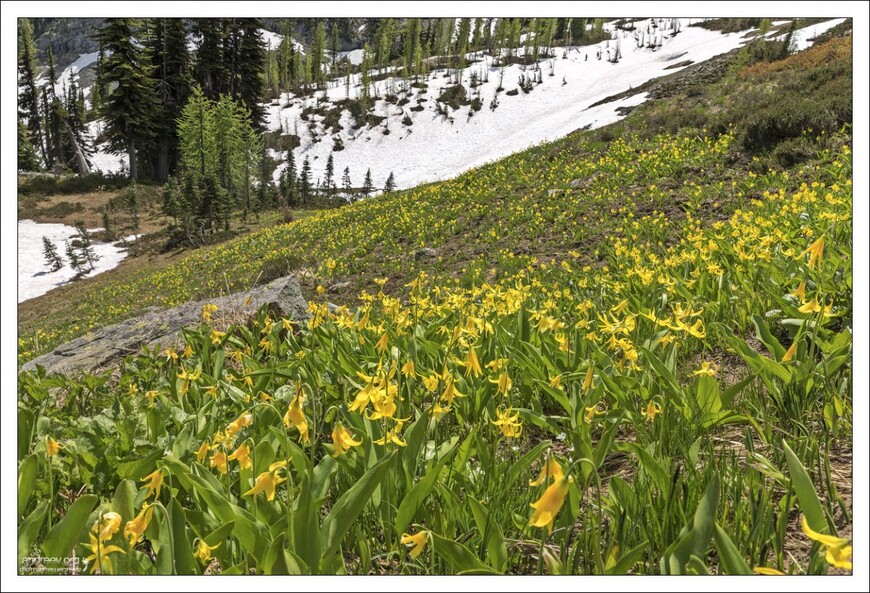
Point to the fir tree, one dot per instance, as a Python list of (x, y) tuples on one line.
[(28, 98), (166, 44), (285, 55), (391, 184), (368, 186), (345, 180), (129, 107), (86, 247), (250, 66), (334, 47), (210, 72), (328, 181), (27, 159), (52, 259), (305, 181), (289, 176), (317, 74), (75, 261)]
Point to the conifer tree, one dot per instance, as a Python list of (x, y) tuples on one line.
[(328, 181), (166, 44), (250, 66), (391, 184), (49, 251), (317, 74), (285, 55), (75, 261), (86, 247), (27, 159), (28, 97), (130, 105), (305, 181), (368, 186), (345, 180), (289, 176), (334, 47), (210, 72)]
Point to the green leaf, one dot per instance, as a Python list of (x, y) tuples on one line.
[(122, 502), (138, 468), (182, 550), (460, 558), (415, 496), (26, 480), (305, 526), (524, 462), (346, 509), (763, 332), (731, 559), (70, 530), (628, 560), (696, 566), (220, 535), (491, 532), (26, 423), (415, 436), (28, 530), (695, 538), (806, 493)]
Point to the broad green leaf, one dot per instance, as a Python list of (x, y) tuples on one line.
[(26, 481), (349, 505), (524, 462), (26, 423), (763, 333), (806, 493), (28, 530), (696, 566), (491, 533), (460, 558), (122, 502), (695, 538), (182, 551), (628, 560), (415, 496), (71, 529), (731, 559), (305, 526)]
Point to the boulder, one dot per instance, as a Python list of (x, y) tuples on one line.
[(425, 253), (158, 328)]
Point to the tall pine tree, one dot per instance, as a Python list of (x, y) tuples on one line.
[(28, 96), (129, 107), (250, 66)]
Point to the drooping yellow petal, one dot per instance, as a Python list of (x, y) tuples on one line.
[(155, 482), (838, 552), (242, 455), (550, 503), (789, 354), (415, 542), (767, 571), (134, 528), (551, 470)]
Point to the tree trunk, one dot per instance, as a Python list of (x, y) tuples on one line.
[(131, 154), (81, 161), (162, 159)]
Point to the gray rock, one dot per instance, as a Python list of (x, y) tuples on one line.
[(163, 328), (338, 286), (425, 253)]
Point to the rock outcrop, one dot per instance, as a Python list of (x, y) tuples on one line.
[(163, 327)]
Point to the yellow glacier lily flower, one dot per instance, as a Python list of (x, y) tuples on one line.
[(342, 440), (266, 482), (838, 552), (100, 555), (415, 542), (243, 455), (789, 354), (593, 411), (810, 307), (707, 368), (202, 452), (550, 503), (511, 425), (236, 426), (52, 447), (219, 460), (472, 364), (134, 528), (295, 416), (203, 551), (587, 381), (155, 482), (815, 250), (408, 368), (107, 526), (504, 383), (551, 471), (651, 411)]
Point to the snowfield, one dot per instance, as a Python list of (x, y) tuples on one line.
[(34, 279), (436, 147)]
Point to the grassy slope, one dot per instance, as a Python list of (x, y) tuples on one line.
[(491, 221), (595, 280)]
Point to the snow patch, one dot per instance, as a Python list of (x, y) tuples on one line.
[(34, 279), (436, 147)]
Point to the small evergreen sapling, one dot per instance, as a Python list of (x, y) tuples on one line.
[(52, 259)]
